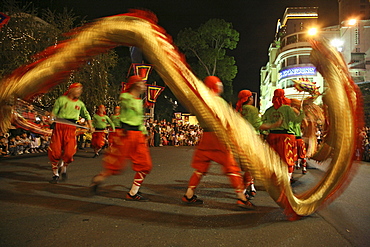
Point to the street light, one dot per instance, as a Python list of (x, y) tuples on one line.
[(352, 22), (348, 24), (312, 31)]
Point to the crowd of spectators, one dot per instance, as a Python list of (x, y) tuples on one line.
[(18, 141), (163, 133), (365, 136)]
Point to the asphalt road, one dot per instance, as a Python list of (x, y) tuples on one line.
[(36, 213)]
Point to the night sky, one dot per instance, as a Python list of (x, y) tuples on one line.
[(255, 20)]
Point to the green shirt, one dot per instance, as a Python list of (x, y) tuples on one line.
[(286, 113), (67, 108), (250, 113), (100, 122), (116, 119), (132, 112), (296, 128)]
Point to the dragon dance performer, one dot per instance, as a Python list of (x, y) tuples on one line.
[(211, 149), (281, 138), (300, 144), (116, 119), (130, 143), (100, 122), (250, 113), (63, 143)]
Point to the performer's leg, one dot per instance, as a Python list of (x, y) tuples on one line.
[(142, 163), (193, 183), (70, 148), (302, 154), (249, 184), (200, 163), (298, 164), (233, 171), (304, 166), (113, 161), (98, 142), (138, 180), (55, 152), (283, 144)]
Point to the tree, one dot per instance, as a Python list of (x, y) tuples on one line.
[(26, 34), (206, 48)]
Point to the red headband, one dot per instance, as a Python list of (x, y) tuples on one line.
[(73, 85), (279, 98), (243, 96), (211, 82), (131, 80)]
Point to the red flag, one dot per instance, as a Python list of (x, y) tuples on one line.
[(3, 19), (152, 94)]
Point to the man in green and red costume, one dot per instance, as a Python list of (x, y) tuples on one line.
[(282, 138), (116, 119), (100, 122), (250, 113), (211, 149), (130, 143), (63, 144)]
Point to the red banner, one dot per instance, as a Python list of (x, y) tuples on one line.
[(152, 94), (3, 19)]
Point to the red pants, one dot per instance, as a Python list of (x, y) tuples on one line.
[(131, 145), (63, 144), (210, 149), (112, 135), (283, 144), (301, 149), (98, 140)]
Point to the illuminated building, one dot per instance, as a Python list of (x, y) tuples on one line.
[(289, 52)]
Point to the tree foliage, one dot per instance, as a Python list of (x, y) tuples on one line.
[(206, 50), (26, 34)]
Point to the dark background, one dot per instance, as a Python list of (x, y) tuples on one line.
[(254, 20)]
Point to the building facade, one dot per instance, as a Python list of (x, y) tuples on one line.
[(289, 53)]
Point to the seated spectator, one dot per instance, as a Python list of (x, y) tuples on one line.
[(26, 142), (45, 142), (19, 144), (3, 147), (12, 146), (35, 143)]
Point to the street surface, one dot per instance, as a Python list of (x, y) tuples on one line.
[(36, 213)]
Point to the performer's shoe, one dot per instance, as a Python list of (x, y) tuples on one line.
[(304, 171), (252, 193), (245, 204), (137, 197), (64, 177), (247, 195), (292, 181), (54, 180), (192, 201), (96, 155)]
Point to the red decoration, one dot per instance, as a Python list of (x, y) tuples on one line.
[(4, 19), (142, 70), (152, 94)]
